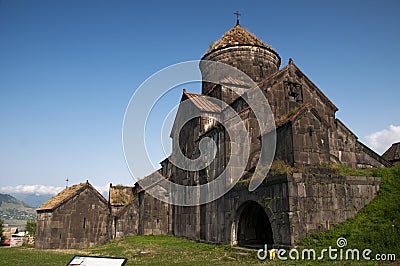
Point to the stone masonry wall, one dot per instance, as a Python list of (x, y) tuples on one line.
[(217, 221), (257, 62), (272, 195), (296, 204), (154, 216), (318, 202), (124, 222), (80, 222), (310, 140)]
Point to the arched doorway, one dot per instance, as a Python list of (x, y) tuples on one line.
[(253, 227)]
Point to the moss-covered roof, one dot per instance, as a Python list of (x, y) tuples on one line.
[(67, 194), (61, 197), (120, 195), (237, 36)]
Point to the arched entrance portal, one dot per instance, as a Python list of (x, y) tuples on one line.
[(254, 228)]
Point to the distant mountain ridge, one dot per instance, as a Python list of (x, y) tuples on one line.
[(12, 200), (33, 200)]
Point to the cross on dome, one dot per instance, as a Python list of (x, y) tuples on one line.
[(237, 14)]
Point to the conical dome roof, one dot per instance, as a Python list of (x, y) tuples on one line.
[(237, 36), (242, 50)]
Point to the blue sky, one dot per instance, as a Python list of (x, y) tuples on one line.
[(69, 68)]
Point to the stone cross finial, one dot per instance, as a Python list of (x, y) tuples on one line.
[(237, 14)]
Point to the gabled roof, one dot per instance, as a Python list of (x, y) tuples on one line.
[(305, 79), (120, 195), (202, 102), (373, 154), (67, 194), (297, 114), (121, 211), (235, 37), (233, 81), (393, 153), (152, 180)]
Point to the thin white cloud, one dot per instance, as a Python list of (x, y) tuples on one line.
[(31, 189), (383, 139), (43, 190)]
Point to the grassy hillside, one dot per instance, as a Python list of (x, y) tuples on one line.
[(377, 225)]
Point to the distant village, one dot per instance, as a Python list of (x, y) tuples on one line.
[(16, 236)]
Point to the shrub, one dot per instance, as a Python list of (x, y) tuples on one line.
[(30, 227)]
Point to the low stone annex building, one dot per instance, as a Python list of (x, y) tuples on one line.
[(76, 217), (285, 207)]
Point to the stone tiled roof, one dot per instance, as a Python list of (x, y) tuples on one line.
[(393, 153), (120, 195), (202, 102), (235, 37), (233, 81), (305, 79), (151, 180), (65, 195)]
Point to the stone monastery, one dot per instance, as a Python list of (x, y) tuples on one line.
[(300, 195)]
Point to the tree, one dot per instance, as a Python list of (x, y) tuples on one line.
[(30, 227), (1, 228)]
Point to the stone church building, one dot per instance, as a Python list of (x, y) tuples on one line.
[(285, 207), (74, 218)]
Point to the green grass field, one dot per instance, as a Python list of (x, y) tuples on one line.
[(375, 227), (151, 250), (143, 250), (154, 250)]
